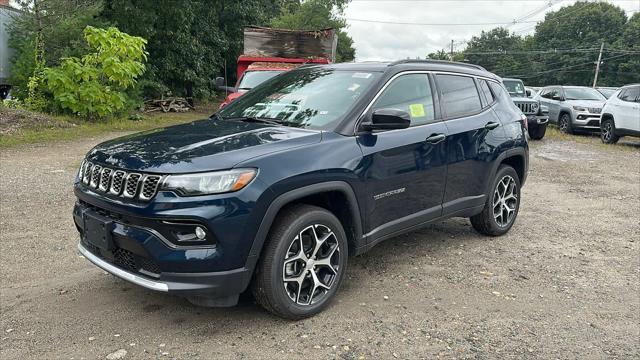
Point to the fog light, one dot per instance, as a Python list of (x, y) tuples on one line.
[(200, 233)]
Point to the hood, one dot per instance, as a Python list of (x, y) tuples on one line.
[(202, 145), (523, 99), (586, 103)]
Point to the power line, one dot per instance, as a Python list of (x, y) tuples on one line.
[(429, 24), (526, 76)]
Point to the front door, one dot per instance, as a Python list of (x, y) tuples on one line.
[(404, 170)]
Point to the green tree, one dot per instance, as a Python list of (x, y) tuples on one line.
[(497, 51), (628, 70), (572, 29), (55, 27), (318, 14), (190, 44), (94, 85)]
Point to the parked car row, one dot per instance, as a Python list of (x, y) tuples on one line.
[(614, 112)]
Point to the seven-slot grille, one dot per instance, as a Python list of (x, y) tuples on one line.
[(528, 108), (118, 182)]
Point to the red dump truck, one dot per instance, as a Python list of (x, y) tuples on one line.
[(269, 52)]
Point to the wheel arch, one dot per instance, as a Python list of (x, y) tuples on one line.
[(327, 195), (517, 158)]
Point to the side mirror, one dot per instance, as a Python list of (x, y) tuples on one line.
[(387, 119), (528, 93), (219, 82)]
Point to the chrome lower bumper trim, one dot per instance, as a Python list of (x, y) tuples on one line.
[(138, 280)]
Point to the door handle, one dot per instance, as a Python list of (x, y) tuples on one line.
[(435, 138), (491, 125)]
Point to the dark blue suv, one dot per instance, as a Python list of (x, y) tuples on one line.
[(276, 190)]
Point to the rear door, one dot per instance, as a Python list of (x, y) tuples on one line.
[(474, 133), (404, 170), (627, 115)]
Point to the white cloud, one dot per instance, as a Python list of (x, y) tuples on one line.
[(376, 41)]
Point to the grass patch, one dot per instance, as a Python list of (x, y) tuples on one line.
[(59, 128), (592, 138)]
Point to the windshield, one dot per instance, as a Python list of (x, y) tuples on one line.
[(607, 92), (515, 87), (582, 94), (251, 79), (314, 97)]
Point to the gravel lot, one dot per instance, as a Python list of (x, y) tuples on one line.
[(563, 283)]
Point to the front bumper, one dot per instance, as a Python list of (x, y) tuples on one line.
[(537, 119), (586, 120), (209, 285)]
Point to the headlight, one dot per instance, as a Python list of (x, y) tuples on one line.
[(209, 183), (579, 108), (534, 106)]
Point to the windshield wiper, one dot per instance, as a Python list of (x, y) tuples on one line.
[(270, 121)]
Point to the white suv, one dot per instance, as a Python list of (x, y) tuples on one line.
[(621, 115)]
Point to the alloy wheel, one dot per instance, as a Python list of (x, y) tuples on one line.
[(505, 201), (311, 265), (606, 131), (564, 123)]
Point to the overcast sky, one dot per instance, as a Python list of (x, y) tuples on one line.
[(383, 41)]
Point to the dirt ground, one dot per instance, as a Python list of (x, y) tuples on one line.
[(563, 283)]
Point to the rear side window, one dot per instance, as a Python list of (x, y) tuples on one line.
[(459, 95), (410, 93), (484, 87), (500, 91)]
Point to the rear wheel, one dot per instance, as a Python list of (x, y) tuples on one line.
[(303, 263), (564, 123), (537, 132), (501, 209), (608, 132)]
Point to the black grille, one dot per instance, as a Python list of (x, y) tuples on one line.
[(87, 172), (95, 176), (116, 182), (528, 108), (105, 178), (149, 186), (125, 259), (131, 187)]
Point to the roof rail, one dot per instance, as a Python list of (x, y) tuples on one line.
[(443, 62)]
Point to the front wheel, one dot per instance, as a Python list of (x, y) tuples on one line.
[(303, 263), (608, 132), (565, 124), (537, 132), (501, 209)]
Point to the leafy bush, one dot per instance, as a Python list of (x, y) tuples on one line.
[(94, 85)]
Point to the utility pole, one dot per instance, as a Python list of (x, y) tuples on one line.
[(595, 79), (451, 53)]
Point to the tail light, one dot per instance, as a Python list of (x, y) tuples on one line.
[(525, 121)]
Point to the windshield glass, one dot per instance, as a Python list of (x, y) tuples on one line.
[(515, 87), (582, 94), (314, 97), (251, 79), (607, 92)]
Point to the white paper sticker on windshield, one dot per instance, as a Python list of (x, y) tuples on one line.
[(353, 87), (361, 75)]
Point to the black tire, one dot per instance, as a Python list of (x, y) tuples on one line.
[(608, 131), (537, 132), (564, 123), (269, 288), (486, 222)]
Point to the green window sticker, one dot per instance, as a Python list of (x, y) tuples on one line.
[(416, 110)]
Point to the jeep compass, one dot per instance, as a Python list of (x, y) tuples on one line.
[(274, 192)]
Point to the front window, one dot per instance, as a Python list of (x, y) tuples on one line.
[(412, 94), (582, 94), (607, 92), (251, 79), (515, 88), (314, 98)]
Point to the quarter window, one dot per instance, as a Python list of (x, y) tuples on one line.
[(410, 93), (459, 95), (484, 87)]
